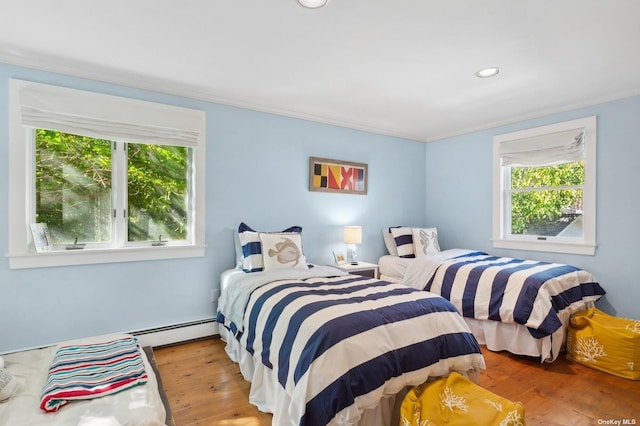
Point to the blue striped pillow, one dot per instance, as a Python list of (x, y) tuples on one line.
[(252, 247), (404, 241)]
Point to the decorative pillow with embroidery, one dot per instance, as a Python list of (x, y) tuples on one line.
[(456, 400), (425, 241), (282, 251), (605, 342)]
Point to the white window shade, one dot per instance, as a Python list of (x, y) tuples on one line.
[(561, 147), (551, 144), (34, 105), (109, 117)]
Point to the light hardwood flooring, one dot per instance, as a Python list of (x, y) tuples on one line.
[(205, 388)]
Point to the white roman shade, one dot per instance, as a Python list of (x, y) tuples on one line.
[(109, 117), (544, 150)]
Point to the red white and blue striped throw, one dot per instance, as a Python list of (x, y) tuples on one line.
[(91, 371)]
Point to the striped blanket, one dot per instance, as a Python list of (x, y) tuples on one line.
[(503, 289), (91, 371), (334, 343)]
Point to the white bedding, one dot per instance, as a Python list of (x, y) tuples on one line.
[(413, 271), (420, 269), (138, 406), (393, 268)]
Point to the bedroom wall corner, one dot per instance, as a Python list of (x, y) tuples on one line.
[(459, 197)]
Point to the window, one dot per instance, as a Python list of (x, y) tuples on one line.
[(544, 188), (121, 178)]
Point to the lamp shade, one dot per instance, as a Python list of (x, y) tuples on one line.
[(312, 4), (353, 234)]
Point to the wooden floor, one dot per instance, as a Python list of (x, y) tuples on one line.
[(205, 388)]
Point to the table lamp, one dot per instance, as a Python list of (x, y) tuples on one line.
[(352, 236)]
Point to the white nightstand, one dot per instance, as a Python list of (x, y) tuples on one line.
[(362, 268)]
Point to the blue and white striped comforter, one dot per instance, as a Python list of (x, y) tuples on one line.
[(334, 342), (504, 289)]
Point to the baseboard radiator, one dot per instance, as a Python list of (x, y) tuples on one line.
[(177, 333)]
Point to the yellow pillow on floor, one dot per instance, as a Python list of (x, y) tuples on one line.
[(605, 343), (456, 400)]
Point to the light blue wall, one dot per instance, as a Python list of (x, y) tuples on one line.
[(257, 172), (459, 198)]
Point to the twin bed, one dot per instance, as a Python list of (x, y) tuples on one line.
[(324, 347), (521, 306), (321, 346)]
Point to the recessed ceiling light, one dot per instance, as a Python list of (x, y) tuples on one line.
[(312, 4), (488, 72)]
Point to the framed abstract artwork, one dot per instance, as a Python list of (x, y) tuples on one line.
[(337, 176)]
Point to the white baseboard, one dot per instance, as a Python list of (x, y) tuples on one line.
[(177, 333)]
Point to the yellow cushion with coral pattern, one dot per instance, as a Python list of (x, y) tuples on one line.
[(455, 400), (604, 342)]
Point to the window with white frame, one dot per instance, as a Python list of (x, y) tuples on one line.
[(114, 179), (544, 188)]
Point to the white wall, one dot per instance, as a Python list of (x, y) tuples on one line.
[(257, 172), (459, 197)]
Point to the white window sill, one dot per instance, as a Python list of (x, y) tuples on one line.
[(548, 246), (93, 256)]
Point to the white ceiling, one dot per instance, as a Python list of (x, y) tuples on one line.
[(396, 67)]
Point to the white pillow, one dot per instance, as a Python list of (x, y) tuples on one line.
[(403, 237), (425, 241), (282, 251), (389, 242), (236, 241)]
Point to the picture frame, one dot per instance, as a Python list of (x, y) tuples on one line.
[(339, 257), (41, 237), (346, 177)]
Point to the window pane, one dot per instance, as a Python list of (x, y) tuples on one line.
[(547, 213), (73, 186), (568, 174), (157, 192)]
